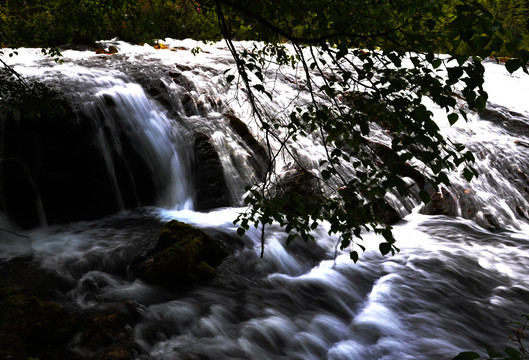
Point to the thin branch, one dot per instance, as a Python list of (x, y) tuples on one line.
[(14, 233)]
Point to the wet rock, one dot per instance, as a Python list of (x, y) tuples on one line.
[(25, 275), (441, 203), (520, 211), (182, 257), (110, 51), (208, 175), (390, 159), (510, 120), (489, 222), (261, 160), (189, 105), (53, 166), (30, 327), (385, 212), (297, 191), (107, 333)]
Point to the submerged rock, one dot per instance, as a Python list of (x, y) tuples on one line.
[(441, 203), (183, 256)]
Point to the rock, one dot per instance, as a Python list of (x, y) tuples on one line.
[(441, 203), (54, 166), (520, 211), (126, 351), (182, 257), (385, 212), (297, 192), (24, 275), (189, 105), (208, 176), (107, 333), (261, 160), (390, 159), (111, 50), (30, 327)]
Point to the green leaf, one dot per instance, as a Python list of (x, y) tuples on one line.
[(524, 55), (513, 353), (452, 118), (467, 355), (230, 78), (425, 197), (240, 231), (496, 44), (291, 237), (468, 174), (385, 248), (512, 65), (493, 353), (354, 256)]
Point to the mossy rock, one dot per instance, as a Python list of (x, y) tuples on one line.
[(30, 327), (183, 256)]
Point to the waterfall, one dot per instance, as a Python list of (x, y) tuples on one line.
[(159, 135)]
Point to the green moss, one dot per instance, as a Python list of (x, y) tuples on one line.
[(203, 272), (30, 327), (184, 255)]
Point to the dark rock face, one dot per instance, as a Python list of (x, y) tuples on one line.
[(391, 160), (298, 181), (210, 184), (182, 257), (385, 212), (54, 164), (261, 160)]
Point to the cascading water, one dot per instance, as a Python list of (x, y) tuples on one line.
[(455, 285)]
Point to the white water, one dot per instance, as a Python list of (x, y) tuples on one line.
[(454, 286)]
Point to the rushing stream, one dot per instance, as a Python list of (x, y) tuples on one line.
[(456, 284)]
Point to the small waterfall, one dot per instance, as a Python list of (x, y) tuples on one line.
[(125, 109), (161, 129)]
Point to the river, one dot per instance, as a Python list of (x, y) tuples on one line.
[(457, 283)]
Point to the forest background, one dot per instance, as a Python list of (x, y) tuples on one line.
[(36, 23)]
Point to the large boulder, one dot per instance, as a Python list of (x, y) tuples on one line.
[(208, 176), (183, 256)]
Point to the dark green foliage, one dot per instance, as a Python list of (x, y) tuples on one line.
[(32, 97), (378, 64), (58, 22)]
